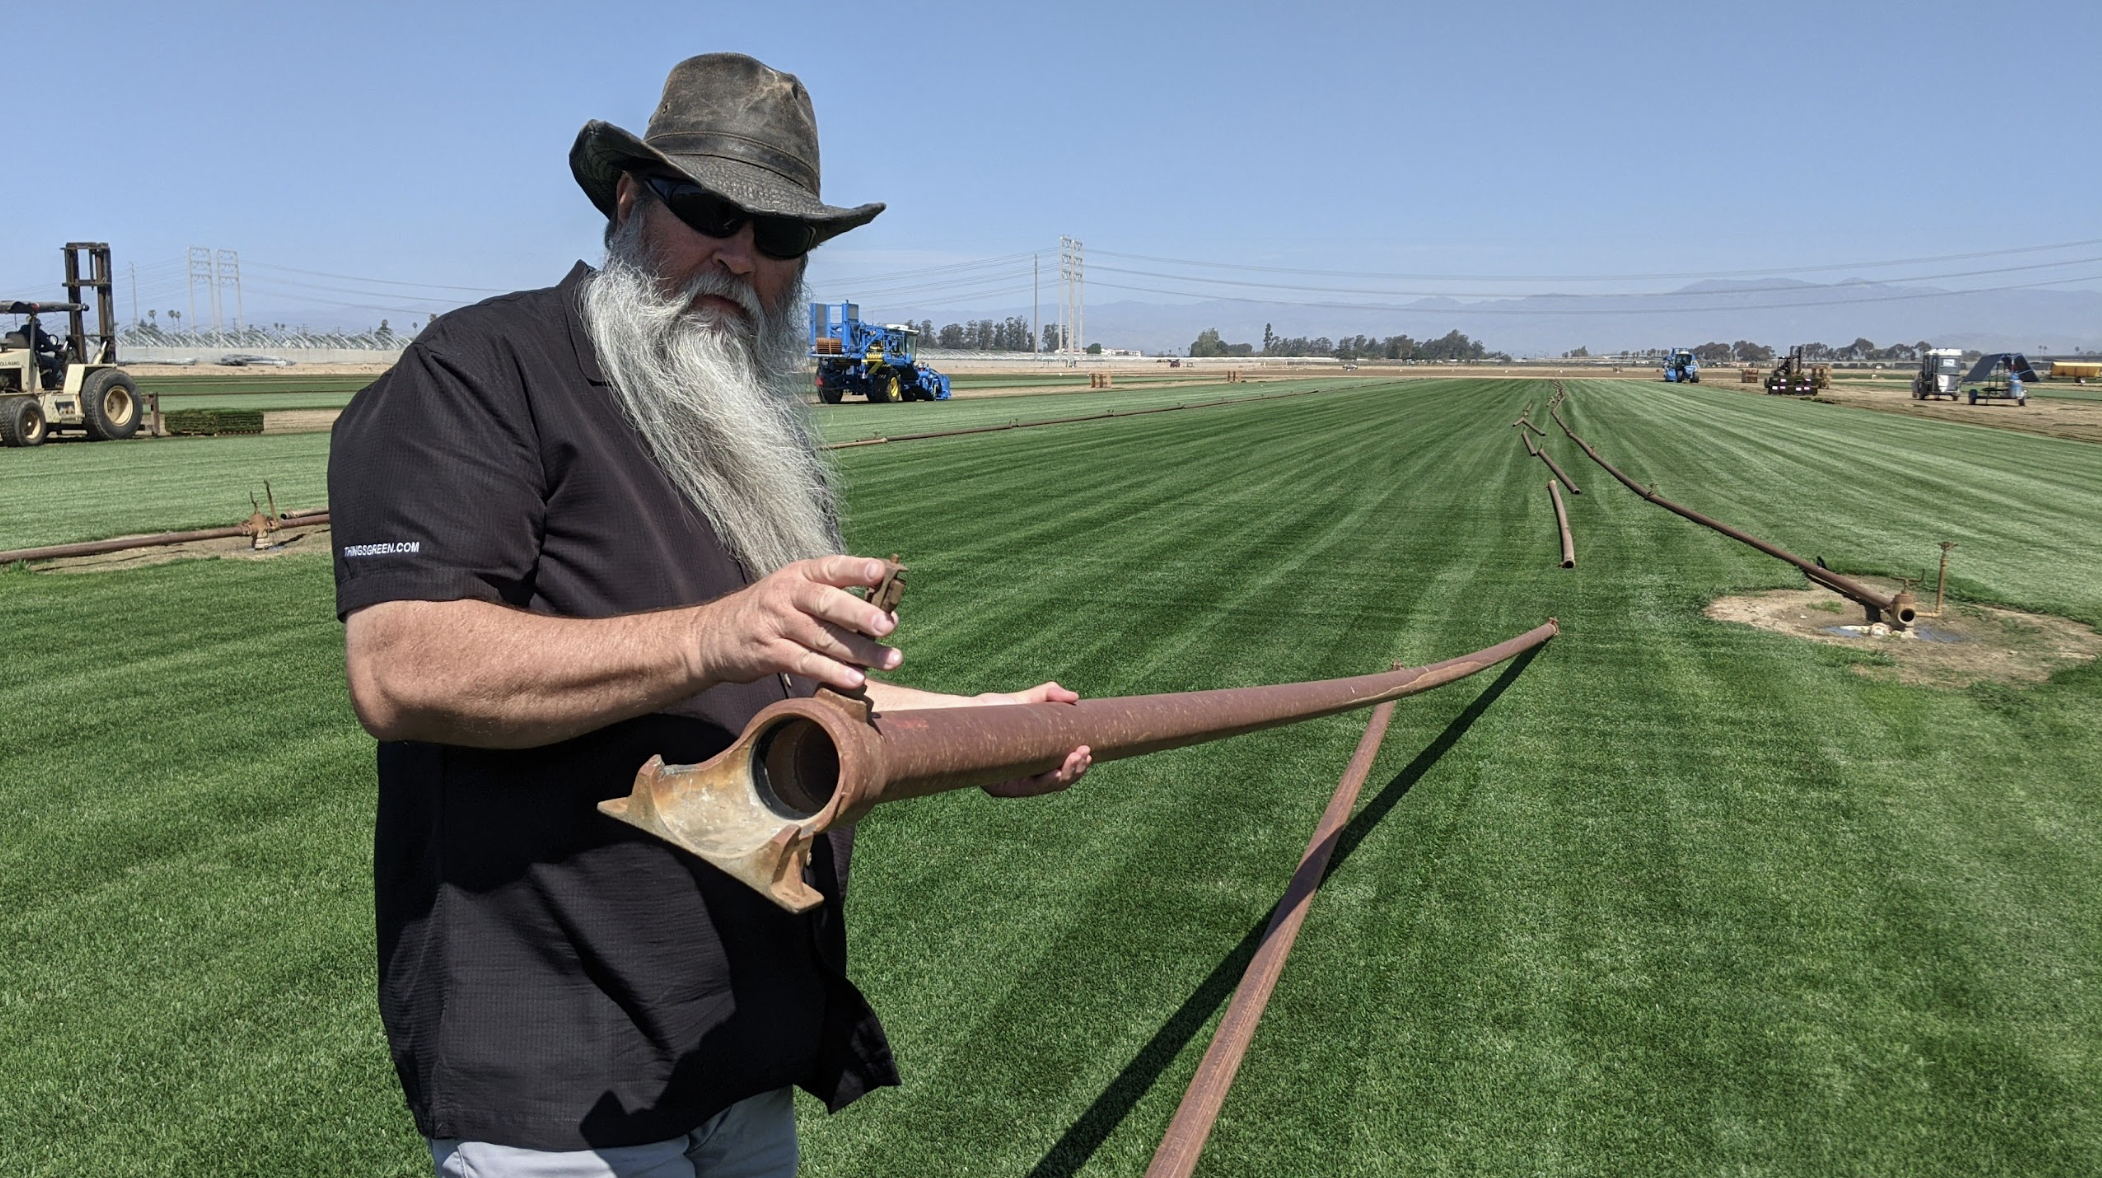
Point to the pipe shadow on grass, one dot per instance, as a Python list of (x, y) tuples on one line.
[(1079, 1143)]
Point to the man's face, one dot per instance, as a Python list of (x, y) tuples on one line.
[(683, 252)]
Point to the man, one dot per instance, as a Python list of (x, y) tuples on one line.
[(576, 528)]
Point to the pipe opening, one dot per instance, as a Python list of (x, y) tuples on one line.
[(1906, 613), (795, 768)]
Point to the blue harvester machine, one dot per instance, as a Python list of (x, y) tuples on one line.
[(877, 362), (1682, 368)]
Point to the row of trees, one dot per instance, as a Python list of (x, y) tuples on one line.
[(1453, 345), (981, 335), (1747, 352)]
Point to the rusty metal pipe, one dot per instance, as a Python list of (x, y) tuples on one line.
[(126, 543), (1569, 550), (1206, 1095), (804, 765), (1544, 456), (1900, 607)]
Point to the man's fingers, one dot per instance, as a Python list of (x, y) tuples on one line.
[(842, 609), (830, 672), (844, 571), (1075, 766), (835, 642)]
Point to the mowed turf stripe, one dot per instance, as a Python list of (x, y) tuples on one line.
[(2021, 508)]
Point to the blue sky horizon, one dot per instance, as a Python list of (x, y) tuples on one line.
[(389, 160)]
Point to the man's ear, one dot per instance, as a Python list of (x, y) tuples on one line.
[(623, 199)]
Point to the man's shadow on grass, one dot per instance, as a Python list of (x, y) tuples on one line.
[(1079, 1143)]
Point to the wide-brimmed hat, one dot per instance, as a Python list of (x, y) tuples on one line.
[(733, 125)]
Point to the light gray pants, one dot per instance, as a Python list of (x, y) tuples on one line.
[(754, 1138)]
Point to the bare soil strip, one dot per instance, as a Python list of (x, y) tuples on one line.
[(1967, 644)]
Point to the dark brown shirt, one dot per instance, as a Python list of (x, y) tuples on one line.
[(551, 978)]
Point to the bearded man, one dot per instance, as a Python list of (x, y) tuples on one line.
[(578, 527)]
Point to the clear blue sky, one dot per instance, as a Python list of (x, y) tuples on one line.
[(427, 144)]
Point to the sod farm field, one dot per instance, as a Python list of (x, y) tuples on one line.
[(1672, 896)]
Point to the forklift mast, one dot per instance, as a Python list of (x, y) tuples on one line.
[(98, 280)]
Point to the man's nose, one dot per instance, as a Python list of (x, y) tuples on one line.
[(735, 251)]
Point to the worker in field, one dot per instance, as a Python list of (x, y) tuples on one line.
[(576, 528)]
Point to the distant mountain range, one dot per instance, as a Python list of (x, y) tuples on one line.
[(1777, 312)]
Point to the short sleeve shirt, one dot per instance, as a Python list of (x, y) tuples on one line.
[(551, 978)]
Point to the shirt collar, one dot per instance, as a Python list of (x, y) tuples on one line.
[(587, 355)]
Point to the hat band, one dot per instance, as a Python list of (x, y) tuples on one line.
[(741, 149)]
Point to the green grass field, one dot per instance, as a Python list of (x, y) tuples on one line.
[(1672, 897), (61, 493)]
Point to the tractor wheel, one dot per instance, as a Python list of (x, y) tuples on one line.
[(830, 395), (22, 422), (885, 390), (110, 402)]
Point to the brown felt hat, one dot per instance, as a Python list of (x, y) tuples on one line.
[(734, 125)]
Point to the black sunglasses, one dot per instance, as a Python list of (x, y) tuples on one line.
[(782, 238)]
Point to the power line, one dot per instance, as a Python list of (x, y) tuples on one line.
[(1817, 269), (1480, 309)]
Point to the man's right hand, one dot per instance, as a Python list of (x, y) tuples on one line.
[(798, 620)]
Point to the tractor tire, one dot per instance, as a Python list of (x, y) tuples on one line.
[(885, 390), (110, 402), (830, 395), (22, 422)]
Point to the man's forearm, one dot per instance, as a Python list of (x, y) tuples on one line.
[(473, 673)]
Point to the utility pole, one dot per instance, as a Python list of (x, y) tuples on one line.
[(1036, 303), (200, 271), (229, 268), (1071, 295), (134, 293)]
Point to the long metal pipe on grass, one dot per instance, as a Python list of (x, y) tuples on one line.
[(1206, 1095), (1569, 551), (1544, 456), (804, 765), (299, 519), (1900, 607)]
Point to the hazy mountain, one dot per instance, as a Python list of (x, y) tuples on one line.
[(1778, 312)]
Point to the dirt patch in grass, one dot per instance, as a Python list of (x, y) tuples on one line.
[(285, 542), (2080, 420), (1967, 644)]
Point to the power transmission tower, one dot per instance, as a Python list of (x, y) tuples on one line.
[(1072, 280), (201, 271), (229, 267)]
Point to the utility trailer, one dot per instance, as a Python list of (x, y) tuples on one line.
[(48, 385), (1795, 377), (1940, 375), (2000, 376), (877, 362)]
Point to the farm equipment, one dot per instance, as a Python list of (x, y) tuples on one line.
[(48, 385), (1999, 376), (1940, 375), (877, 362), (1795, 377), (1682, 368)]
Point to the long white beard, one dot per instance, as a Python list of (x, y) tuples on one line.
[(719, 403)]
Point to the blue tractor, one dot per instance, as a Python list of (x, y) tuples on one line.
[(1682, 368), (877, 362)]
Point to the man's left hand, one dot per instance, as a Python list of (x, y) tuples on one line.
[(1050, 781), (893, 698)]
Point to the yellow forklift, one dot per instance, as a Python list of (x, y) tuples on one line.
[(48, 384)]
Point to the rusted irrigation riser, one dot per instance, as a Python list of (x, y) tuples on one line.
[(804, 765), (1569, 549), (1900, 606), (1544, 456), (1206, 1095), (297, 519)]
